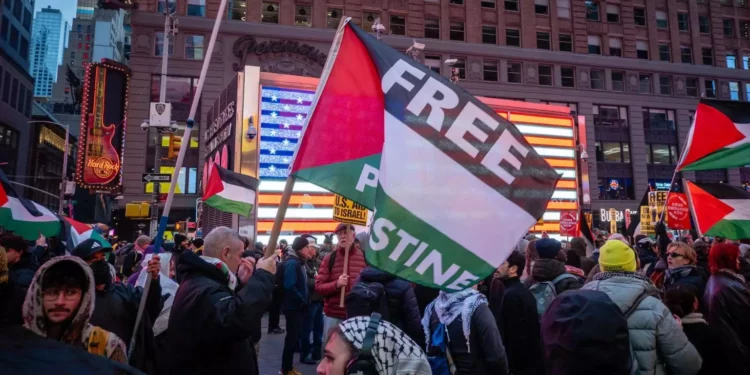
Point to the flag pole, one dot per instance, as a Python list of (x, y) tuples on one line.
[(683, 154), (288, 188), (178, 165)]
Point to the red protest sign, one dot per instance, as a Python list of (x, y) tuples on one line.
[(568, 223), (678, 211)]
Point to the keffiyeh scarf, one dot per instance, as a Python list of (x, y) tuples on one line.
[(393, 352), (449, 306), (231, 279)]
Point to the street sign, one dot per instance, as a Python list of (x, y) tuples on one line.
[(154, 177)]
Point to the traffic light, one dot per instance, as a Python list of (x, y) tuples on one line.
[(178, 226), (175, 142)]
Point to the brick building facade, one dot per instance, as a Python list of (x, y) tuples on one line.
[(635, 69)]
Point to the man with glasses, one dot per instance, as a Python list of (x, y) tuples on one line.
[(331, 277), (59, 304)]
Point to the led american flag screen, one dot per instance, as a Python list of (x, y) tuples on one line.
[(283, 113)]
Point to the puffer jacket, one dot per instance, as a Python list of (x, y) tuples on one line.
[(325, 282), (659, 345), (548, 270), (402, 302)]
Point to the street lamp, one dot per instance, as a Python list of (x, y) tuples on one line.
[(65, 161)]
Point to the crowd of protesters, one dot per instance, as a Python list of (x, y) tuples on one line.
[(650, 307)]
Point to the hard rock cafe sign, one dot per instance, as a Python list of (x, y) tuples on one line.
[(248, 45)]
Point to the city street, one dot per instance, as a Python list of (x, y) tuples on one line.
[(271, 346)]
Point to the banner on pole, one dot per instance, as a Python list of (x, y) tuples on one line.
[(646, 226), (348, 211), (678, 211), (657, 201), (568, 224)]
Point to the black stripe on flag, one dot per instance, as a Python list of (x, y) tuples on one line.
[(237, 179), (738, 112), (637, 221), (724, 191), (11, 192)]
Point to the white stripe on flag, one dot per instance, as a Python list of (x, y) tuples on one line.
[(237, 193), (450, 198), (741, 209)]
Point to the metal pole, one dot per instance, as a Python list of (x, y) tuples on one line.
[(64, 172), (156, 187), (157, 144)]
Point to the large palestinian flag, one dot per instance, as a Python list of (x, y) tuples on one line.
[(720, 210), (77, 232), (228, 191), (453, 185), (719, 137), (24, 217)]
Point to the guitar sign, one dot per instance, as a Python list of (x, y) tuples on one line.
[(102, 159)]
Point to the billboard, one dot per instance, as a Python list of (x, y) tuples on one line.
[(103, 118)]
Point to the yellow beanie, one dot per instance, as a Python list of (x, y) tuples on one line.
[(616, 256)]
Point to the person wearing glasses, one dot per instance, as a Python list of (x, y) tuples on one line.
[(59, 304), (682, 262)]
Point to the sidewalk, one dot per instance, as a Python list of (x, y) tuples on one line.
[(271, 346)]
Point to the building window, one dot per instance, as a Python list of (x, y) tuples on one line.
[(545, 75), (704, 25), (615, 188), (489, 71), (461, 66), (639, 15), (542, 41), (595, 45), (644, 83), (747, 91), (17, 9), (171, 4), (613, 13), (159, 45), (194, 47), (691, 86), (514, 72), (745, 29), (566, 43), (661, 154), (488, 4), (72, 54), (513, 37), (269, 12), (745, 62), (196, 8), (613, 152), (618, 81), (6, 87), (457, 31), (728, 27), (683, 22), (489, 34), (731, 58), (432, 28), (597, 79), (615, 47), (303, 15), (563, 8), (333, 18), (661, 19), (664, 54), (398, 25), (456, 2), (433, 62), (567, 75), (665, 85), (687, 54), (708, 56), (14, 37), (608, 115), (641, 47), (368, 19), (592, 10), (709, 86), (734, 90), (24, 48), (541, 6), (85, 56), (511, 5), (13, 91)]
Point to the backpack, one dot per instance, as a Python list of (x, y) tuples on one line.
[(544, 292), (366, 298), (123, 265), (438, 354)]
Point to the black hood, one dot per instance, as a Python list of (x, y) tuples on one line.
[(191, 265), (372, 274), (27, 260)]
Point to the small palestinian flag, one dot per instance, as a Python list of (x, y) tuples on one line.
[(720, 210), (449, 180), (77, 232), (24, 217), (228, 191), (719, 137)]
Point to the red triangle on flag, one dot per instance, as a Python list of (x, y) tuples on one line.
[(79, 227), (708, 209), (712, 131), (3, 196), (214, 184)]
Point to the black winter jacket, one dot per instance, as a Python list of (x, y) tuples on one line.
[(116, 307), (548, 270), (486, 354), (696, 279), (705, 338), (296, 295), (518, 322), (312, 266), (727, 305), (210, 325), (11, 304), (402, 302), (23, 271)]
